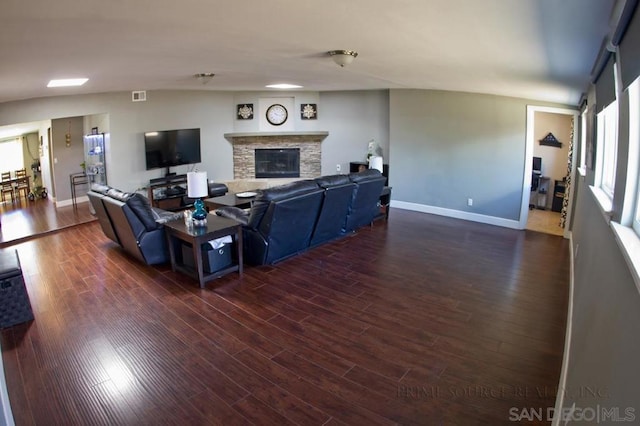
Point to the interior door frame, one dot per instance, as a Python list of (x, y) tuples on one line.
[(528, 157)]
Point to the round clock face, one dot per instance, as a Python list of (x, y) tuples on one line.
[(277, 114)]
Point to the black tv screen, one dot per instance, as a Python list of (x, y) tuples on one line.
[(169, 148)]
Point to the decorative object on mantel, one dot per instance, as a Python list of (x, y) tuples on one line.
[(308, 111), (245, 112), (551, 140), (373, 150)]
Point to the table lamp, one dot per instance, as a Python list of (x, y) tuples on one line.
[(197, 188)]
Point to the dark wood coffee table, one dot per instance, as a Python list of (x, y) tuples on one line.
[(177, 230), (228, 200)]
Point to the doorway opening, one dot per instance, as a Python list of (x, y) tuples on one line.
[(544, 207)]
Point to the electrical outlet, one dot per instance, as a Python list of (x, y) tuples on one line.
[(470, 202), (338, 167)]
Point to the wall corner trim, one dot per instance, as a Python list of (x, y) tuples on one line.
[(562, 384)]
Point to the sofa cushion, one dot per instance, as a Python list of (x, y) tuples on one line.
[(287, 190), (332, 180), (116, 194), (264, 197), (95, 198), (163, 216), (139, 204), (235, 213), (100, 189), (365, 175), (216, 189), (338, 195)]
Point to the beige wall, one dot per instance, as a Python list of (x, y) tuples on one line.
[(554, 160)]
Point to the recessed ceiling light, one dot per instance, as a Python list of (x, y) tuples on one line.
[(283, 86), (67, 82)]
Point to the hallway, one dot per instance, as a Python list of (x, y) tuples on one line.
[(546, 221)]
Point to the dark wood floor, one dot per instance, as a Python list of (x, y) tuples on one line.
[(421, 320), (24, 219)]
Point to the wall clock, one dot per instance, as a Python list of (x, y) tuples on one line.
[(277, 114)]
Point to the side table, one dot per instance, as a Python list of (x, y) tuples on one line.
[(217, 227), (385, 202), (77, 179)]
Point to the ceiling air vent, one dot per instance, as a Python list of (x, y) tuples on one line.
[(139, 96)]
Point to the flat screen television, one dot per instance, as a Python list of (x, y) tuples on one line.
[(170, 148)]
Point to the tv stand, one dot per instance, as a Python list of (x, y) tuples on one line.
[(164, 193)]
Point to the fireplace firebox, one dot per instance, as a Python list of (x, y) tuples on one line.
[(277, 163)]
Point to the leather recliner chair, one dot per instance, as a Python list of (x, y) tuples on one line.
[(364, 203), (95, 195), (332, 219), (288, 219), (280, 222), (136, 226)]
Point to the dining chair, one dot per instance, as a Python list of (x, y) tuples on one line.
[(22, 183), (6, 186)]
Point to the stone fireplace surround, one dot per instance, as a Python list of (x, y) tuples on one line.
[(244, 145)]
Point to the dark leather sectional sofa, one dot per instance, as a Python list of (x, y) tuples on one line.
[(129, 220), (289, 219), (283, 220)]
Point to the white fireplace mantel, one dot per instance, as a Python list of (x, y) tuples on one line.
[(240, 137)]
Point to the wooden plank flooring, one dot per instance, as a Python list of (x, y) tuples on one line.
[(23, 219), (421, 320)]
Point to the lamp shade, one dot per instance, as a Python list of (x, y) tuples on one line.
[(197, 185), (375, 162)]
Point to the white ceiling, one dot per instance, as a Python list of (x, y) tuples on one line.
[(536, 49)]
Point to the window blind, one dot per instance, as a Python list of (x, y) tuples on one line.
[(605, 85), (627, 37)]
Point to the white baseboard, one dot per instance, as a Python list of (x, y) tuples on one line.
[(64, 203), (457, 214)]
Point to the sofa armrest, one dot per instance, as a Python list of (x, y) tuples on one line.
[(234, 213), (217, 189), (163, 216)]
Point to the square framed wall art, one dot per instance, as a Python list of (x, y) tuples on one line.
[(309, 111), (244, 112)]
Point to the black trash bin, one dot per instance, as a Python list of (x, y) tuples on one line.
[(213, 259)]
